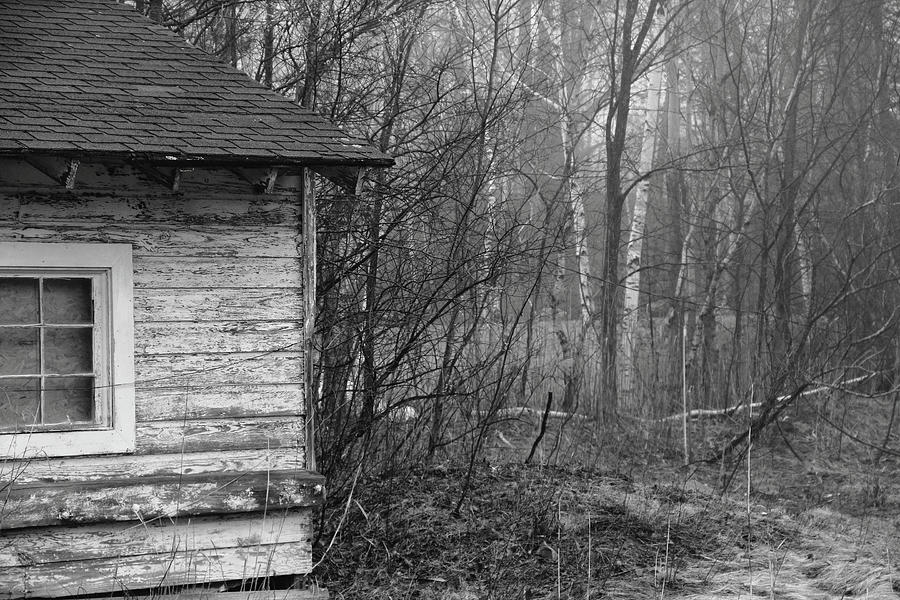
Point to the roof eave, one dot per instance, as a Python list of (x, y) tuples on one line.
[(344, 172), (375, 161)]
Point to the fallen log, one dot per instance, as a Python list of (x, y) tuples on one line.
[(519, 411), (697, 413)]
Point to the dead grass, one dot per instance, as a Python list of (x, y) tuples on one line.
[(824, 527), (538, 532)]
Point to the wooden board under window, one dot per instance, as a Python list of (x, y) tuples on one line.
[(98, 468), (61, 561)]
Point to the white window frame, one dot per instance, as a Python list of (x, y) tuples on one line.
[(115, 434)]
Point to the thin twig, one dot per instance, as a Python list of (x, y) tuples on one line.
[(543, 428)]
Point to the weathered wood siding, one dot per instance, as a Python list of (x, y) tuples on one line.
[(219, 309), (220, 364), (65, 561), (159, 498)]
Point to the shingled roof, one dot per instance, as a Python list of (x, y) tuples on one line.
[(94, 76)]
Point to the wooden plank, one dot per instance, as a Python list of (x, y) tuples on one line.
[(189, 371), (92, 207), (161, 404), (207, 435), (43, 545), (167, 569), (231, 336), (161, 497), (309, 254), (167, 272), (218, 304), (120, 467), (168, 239), (307, 594)]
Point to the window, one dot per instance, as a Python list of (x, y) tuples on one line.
[(66, 349)]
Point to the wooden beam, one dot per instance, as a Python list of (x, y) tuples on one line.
[(176, 179), (161, 497), (308, 594), (166, 570), (360, 181), (101, 468), (71, 173), (271, 178), (61, 544)]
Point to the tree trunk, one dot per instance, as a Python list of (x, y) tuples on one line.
[(231, 32), (152, 8), (443, 386), (571, 375), (631, 47), (269, 43), (306, 93), (635, 247), (786, 199)]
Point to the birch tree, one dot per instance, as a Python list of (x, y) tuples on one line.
[(567, 102), (634, 249), (631, 41)]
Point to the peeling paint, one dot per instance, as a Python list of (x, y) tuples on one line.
[(241, 502)]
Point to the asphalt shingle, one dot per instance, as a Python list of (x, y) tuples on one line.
[(96, 76)]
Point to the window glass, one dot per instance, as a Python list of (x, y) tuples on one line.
[(47, 362), (20, 351), (67, 301), (20, 401), (68, 399), (18, 301), (67, 350)]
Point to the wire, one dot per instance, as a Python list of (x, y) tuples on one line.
[(139, 383)]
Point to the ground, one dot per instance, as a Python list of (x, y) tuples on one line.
[(810, 528)]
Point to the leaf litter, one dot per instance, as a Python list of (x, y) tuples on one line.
[(539, 532)]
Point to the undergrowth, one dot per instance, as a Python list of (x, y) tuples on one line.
[(527, 532), (812, 521)]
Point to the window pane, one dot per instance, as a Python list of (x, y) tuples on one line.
[(20, 351), (19, 402), (68, 399), (68, 301), (68, 350), (18, 301)]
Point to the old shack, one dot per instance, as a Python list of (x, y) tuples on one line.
[(157, 274)]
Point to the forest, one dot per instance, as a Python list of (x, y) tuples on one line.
[(645, 228)]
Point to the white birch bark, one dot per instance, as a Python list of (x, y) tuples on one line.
[(572, 350), (492, 299), (575, 195), (638, 222), (571, 177), (804, 257), (642, 192)]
